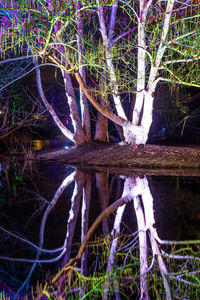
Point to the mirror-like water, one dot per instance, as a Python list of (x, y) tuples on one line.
[(47, 209)]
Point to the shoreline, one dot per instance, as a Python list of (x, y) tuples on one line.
[(152, 159)]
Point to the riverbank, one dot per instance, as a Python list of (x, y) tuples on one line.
[(181, 160)]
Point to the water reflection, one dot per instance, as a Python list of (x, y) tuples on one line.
[(127, 250), (46, 144)]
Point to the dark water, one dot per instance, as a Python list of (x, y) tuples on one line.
[(26, 192)]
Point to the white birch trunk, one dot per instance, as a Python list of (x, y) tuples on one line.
[(142, 113), (79, 136), (85, 115), (140, 101), (108, 48), (140, 65)]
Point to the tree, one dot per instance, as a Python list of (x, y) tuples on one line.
[(117, 52)]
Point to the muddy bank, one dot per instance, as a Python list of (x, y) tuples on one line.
[(151, 158)]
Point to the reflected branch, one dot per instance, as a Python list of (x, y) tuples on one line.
[(67, 181), (106, 213), (29, 242)]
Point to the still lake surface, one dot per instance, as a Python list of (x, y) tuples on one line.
[(28, 220)]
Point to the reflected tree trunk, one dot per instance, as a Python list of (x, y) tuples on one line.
[(103, 192), (143, 206), (85, 220), (114, 234), (84, 227), (73, 213), (151, 226), (116, 228), (143, 247)]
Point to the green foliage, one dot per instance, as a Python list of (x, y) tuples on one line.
[(53, 31)]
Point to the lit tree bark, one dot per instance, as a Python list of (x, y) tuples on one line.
[(142, 113), (101, 128), (152, 82), (58, 122), (140, 63), (107, 42), (79, 135), (85, 115)]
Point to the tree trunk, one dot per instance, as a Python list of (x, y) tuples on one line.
[(85, 115), (101, 129), (58, 122), (79, 135)]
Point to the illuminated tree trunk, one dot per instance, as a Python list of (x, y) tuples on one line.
[(107, 42), (52, 112), (101, 128), (85, 115), (142, 112), (79, 135), (131, 137)]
